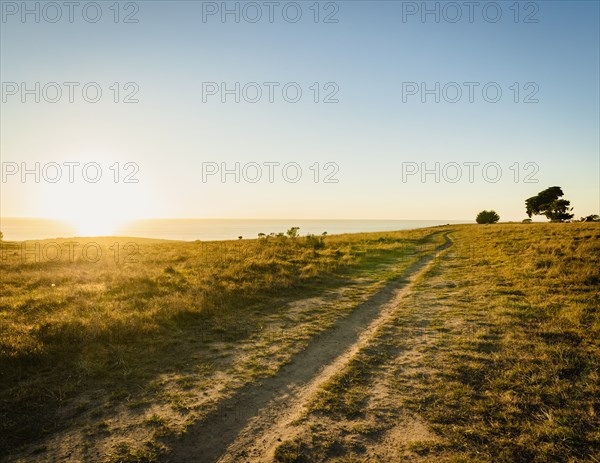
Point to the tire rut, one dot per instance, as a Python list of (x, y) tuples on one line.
[(250, 424)]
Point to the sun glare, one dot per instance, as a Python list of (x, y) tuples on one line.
[(95, 229), (94, 226), (94, 210)]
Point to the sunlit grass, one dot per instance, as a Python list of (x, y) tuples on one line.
[(104, 317), (497, 349)]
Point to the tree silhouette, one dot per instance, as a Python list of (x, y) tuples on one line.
[(547, 203), (487, 217)]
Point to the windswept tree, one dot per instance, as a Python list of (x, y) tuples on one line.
[(548, 203), (487, 217)]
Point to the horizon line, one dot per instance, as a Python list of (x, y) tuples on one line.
[(241, 218)]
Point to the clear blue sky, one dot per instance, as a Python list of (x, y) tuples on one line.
[(369, 133)]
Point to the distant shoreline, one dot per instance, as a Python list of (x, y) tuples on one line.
[(23, 229)]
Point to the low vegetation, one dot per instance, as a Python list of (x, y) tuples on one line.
[(92, 326), (493, 357)]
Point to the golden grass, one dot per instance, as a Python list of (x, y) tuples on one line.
[(506, 327), (497, 349), (522, 384), (75, 327)]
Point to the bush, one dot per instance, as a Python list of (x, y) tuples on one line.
[(293, 232), (589, 218), (487, 217), (316, 242)]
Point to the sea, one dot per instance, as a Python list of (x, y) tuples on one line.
[(20, 229)]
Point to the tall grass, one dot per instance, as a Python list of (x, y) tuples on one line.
[(82, 324)]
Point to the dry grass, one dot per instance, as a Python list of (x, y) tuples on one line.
[(518, 380), (494, 357), (496, 351), (80, 338)]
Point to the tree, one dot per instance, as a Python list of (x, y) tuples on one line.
[(487, 217), (547, 203)]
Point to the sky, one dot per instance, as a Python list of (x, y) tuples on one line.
[(364, 139)]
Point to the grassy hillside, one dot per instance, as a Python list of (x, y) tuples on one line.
[(493, 357), (90, 327)]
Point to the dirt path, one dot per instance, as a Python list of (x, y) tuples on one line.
[(250, 425)]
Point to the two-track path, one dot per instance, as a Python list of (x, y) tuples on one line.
[(249, 426)]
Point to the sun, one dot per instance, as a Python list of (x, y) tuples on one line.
[(95, 224), (95, 209), (95, 221), (95, 227)]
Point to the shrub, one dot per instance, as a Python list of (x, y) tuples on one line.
[(316, 242), (487, 217)]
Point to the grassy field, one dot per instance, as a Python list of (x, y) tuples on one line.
[(108, 344), (493, 356)]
